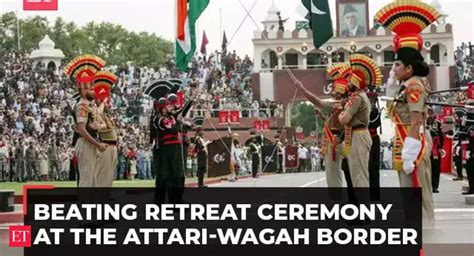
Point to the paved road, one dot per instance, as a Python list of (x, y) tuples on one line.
[(454, 230), (453, 234)]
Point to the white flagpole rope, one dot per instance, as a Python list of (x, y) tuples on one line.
[(290, 73)]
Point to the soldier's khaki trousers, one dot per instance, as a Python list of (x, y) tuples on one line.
[(333, 168), (358, 158), (86, 162), (106, 166), (424, 177)]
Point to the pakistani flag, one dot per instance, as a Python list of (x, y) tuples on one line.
[(188, 12), (319, 17)]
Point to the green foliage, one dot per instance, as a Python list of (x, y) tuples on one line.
[(112, 42), (303, 115)]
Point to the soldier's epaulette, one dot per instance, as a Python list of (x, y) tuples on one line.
[(82, 106), (414, 82)]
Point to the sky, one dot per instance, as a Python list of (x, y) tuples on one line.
[(158, 16)]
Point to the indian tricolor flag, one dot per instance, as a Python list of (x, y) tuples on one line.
[(188, 12)]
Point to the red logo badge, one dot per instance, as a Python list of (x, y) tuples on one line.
[(20, 236), (40, 5)]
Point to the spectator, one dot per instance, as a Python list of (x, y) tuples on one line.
[(31, 164), (43, 165), (303, 158), (147, 156), (3, 160)]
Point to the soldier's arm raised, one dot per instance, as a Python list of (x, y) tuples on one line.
[(310, 96)]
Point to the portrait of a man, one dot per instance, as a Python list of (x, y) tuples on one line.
[(352, 20)]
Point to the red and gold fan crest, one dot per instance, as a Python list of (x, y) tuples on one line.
[(341, 86), (365, 72), (407, 19), (340, 70), (103, 83), (84, 67)]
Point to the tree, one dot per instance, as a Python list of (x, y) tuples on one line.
[(8, 31), (303, 115), (112, 42)]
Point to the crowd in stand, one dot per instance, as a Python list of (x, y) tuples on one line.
[(464, 62), (36, 122)]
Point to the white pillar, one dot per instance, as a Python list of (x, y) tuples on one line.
[(257, 60), (288, 114), (280, 61), (450, 51), (305, 61), (379, 59), (428, 57), (329, 59)]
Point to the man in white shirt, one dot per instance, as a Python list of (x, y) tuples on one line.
[(3, 160), (303, 158)]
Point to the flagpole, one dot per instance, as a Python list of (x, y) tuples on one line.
[(220, 23), (18, 30)]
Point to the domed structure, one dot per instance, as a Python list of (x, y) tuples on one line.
[(436, 4), (271, 21), (46, 56)]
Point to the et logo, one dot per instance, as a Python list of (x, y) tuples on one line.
[(20, 236)]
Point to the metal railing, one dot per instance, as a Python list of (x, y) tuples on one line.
[(213, 112)]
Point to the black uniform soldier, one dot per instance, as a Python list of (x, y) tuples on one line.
[(374, 162), (458, 139), (255, 152), (176, 103), (470, 161), (437, 136), (161, 137), (201, 150), (469, 123), (170, 163)]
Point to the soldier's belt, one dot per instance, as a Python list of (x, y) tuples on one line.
[(373, 132), (172, 142), (112, 143), (359, 127)]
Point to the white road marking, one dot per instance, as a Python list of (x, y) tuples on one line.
[(312, 182), (455, 210)]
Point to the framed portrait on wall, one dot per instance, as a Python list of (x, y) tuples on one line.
[(352, 18)]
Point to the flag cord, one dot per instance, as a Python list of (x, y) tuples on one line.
[(242, 23), (290, 73)]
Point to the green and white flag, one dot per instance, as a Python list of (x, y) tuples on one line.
[(319, 17), (187, 13)]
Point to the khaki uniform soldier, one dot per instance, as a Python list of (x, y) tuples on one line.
[(357, 138), (107, 161), (409, 111), (87, 145), (331, 146), (356, 117)]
